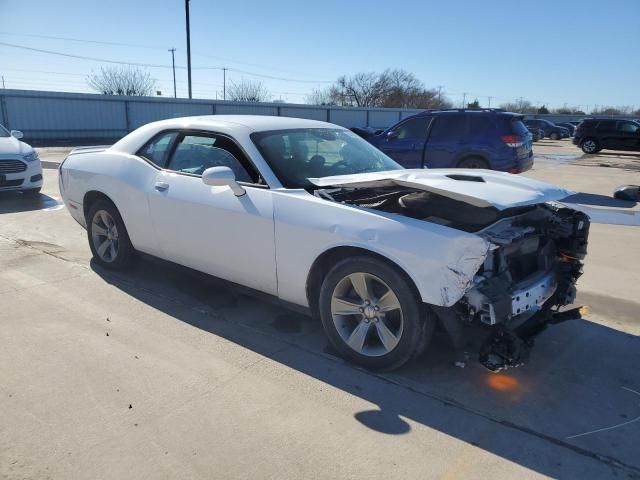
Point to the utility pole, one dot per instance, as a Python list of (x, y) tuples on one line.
[(224, 83), (439, 87), (464, 98), (489, 101), (186, 10), (173, 65), (2, 81)]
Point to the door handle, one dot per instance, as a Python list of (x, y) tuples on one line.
[(162, 186)]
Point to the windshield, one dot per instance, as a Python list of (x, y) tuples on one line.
[(4, 132), (299, 154)]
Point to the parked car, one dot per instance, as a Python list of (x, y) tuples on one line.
[(365, 132), (569, 126), (536, 133), (595, 134), (20, 167), (378, 253), (490, 139), (550, 130)]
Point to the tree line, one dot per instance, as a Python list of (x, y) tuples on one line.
[(392, 88)]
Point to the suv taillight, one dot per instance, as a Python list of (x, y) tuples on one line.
[(513, 141)]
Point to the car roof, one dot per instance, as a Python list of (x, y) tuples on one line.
[(233, 125)]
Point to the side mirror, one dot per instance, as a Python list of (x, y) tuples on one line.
[(222, 177), (392, 134), (17, 134)]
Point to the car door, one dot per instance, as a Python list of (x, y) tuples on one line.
[(210, 229), (447, 137), (405, 142), (627, 135), (608, 134)]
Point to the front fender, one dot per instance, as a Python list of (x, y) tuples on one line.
[(441, 261)]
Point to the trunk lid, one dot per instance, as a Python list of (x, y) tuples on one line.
[(481, 188)]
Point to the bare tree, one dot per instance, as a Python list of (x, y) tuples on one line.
[(393, 88), (248, 91), (362, 89), (520, 106), (323, 96), (129, 81)]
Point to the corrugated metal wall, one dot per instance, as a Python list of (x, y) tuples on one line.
[(58, 116)]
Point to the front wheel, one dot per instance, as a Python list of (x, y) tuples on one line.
[(554, 136), (108, 237), (372, 314), (590, 145)]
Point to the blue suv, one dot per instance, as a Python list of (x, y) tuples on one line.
[(489, 138)]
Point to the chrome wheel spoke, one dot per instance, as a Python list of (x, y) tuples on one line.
[(360, 285), (112, 250), (342, 306), (98, 230), (388, 302), (106, 219), (358, 336), (103, 247), (388, 339)]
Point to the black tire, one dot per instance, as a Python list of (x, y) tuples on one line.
[(417, 323), (473, 162), (32, 192), (554, 136), (125, 252), (590, 145)]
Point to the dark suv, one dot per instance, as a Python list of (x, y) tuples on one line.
[(594, 134), (549, 129), (464, 138)]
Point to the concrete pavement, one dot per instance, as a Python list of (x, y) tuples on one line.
[(163, 372)]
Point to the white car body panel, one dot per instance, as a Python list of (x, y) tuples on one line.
[(499, 190), (215, 230), (269, 238), (13, 149)]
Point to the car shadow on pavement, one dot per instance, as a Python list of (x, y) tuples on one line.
[(582, 377), (598, 200), (14, 202)]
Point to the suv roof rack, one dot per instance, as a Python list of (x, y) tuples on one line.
[(432, 110)]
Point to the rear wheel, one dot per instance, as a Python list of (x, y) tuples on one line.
[(554, 136), (108, 238), (590, 145), (372, 314), (473, 162)]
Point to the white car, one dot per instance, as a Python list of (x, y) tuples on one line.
[(20, 167), (311, 213)]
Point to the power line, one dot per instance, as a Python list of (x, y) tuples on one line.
[(155, 65), (81, 40)]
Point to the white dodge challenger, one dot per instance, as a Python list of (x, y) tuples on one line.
[(310, 213)]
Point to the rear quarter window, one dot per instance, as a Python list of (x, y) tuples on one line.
[(517, 127)]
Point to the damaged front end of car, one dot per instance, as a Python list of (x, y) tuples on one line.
[(529, 273), (527, 277)]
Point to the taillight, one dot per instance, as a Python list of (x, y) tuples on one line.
[(513, 141)]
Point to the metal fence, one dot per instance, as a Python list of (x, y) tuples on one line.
[(78, 116), (58, 116)]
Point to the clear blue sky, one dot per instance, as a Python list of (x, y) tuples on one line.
[(582, 52)]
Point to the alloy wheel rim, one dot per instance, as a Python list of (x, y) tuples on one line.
[(589, 146), (104, 234), (367, 314)]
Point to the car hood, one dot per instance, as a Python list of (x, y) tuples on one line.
[(482, 188), (11, 146)]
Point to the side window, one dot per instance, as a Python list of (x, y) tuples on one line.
[(449, 126), (413, 128), (628, 127), (481, 124), (156, 150), (195, 153)]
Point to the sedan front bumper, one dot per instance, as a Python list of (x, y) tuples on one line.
[(27, 179)]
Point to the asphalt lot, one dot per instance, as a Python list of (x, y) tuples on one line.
[(166, 373)]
